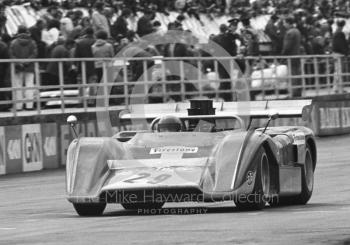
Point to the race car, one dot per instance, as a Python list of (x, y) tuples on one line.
[(199, 151)]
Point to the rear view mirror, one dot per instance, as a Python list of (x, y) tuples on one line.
[(274, 116), (72, 121)]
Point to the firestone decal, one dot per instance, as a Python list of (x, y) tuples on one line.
[(173, 149)]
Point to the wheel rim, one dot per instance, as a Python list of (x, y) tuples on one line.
[(309, 172), (265, 174)]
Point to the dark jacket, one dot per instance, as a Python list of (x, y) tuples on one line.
[(292, 42), (340, 45), (60, 51), (274, 34), (23, 47), (83, 50), (120, 27), (144, 26), (4, 71), (227, 41)]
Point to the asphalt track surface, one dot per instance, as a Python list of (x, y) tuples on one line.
[(33, 210)]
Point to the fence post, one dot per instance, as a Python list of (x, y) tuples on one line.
[(290, 85), (182, 82), (105, 84), (37, 84), (84, 88), (145, 79), (125, 81), (303, 82), (61, 80), (14, 88)]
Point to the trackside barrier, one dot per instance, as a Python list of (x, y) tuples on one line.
[(164, 79), (43, 143)]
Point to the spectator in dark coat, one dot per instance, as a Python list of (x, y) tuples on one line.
[(144, 24), (340, 44), (120, 26), (4, 72), (60, 51), (272, 31), (83, 50), (35, 32), (292, 46), (24, 47)]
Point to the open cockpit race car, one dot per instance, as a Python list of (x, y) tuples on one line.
[(195, 152)]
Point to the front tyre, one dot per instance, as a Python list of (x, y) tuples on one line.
[(257, 199), (89, 209)]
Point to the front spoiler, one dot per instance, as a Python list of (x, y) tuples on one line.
[(169, 194)]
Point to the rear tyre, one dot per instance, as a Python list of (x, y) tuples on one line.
[(89, 209), (142, 205), (257, 199), (307, 184)]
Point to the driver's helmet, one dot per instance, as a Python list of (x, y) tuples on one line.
[(169, 124)]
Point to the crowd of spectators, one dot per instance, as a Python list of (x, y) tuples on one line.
[(295, 28)]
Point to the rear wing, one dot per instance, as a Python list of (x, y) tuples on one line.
[(252, 109)]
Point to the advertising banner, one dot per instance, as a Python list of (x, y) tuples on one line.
[(13, 143), (332, 115), (32, 147), (2, 151), (50, 145)]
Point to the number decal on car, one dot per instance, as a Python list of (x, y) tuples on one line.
[(159, 178), (155, 180), (141, 176)]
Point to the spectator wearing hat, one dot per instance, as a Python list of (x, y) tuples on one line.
[(23, 47), (292, 46), (99, 20), (144, 24)]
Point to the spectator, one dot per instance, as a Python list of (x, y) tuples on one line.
[(272, 31), (144, 24), (52, 33), (23, 47), (83, 49), (99, 20), (101, 49), (36, 33), (250, 37), (4, 72), (292, 46), (66, 27), (340, 44), (120, 26), (62, 50), (340, 47)]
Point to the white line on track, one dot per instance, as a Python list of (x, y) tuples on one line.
[(7, 228)]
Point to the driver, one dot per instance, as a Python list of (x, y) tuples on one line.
[(169, 124)]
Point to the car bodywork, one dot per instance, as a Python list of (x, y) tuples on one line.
[(151, 166)]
